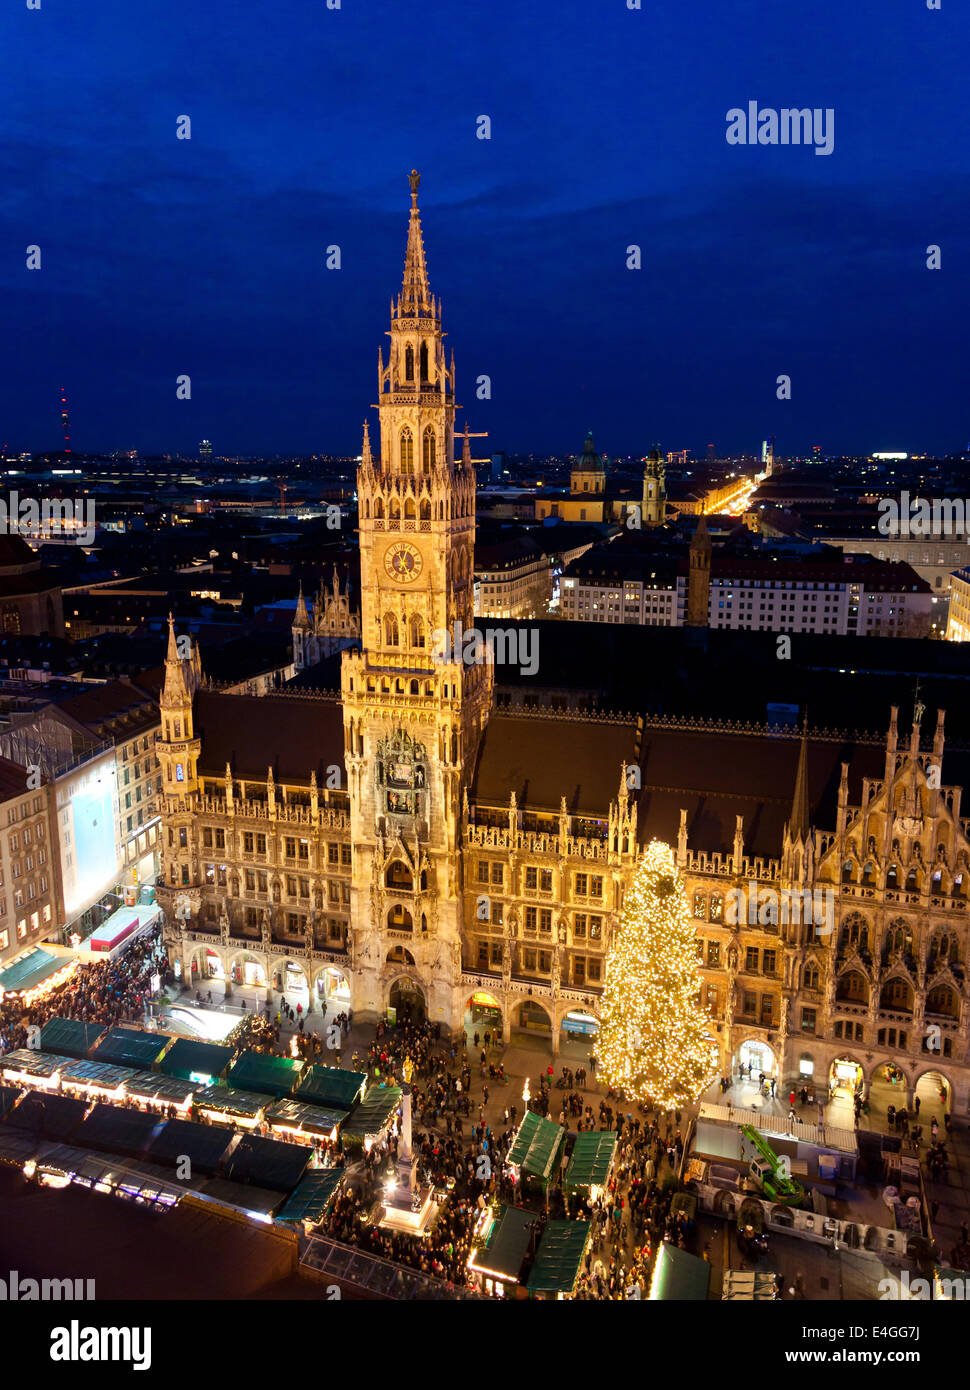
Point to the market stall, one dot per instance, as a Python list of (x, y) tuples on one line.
[(373, 1118), (296, 1119), (500, 1245), (559, 1259), (70, 1037), (591, 1163), (536, 1150), (192, 1060), (264, 1074), (223, 1105)]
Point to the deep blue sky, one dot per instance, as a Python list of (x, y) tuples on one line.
[(206, 256)]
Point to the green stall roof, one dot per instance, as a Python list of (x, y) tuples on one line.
[(316, 1119), (331, 1086), (167, 1090), (270, 1076), (101, 1074), (537, 1145), (591, 1158), (506, 1245), (131, 1047), (309, 1202), (230, 1102), (372, 1114), (679, 1276), (188, 1058), (32, 968), (559, 1257), (30, 1063), (70, 1037)]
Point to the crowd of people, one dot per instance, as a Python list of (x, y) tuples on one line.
[(108, 992)]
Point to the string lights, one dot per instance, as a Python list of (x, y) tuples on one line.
[(656, 1042)]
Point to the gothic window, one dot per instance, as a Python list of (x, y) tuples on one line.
[(717, 907), (367, 510), (409, 509), (417, 631), (428, 453), (892, 878), (407, 451), (390, 630), (424, 361), (847, 871), (896, 994), (425, 512), (855, 933), (942, 1000), (378, 506), (395, 509), (853, 988), (399, 876), (700, 906), (810, 977), (399, 919), (899, 937), (912, 881), (409, 363), (868, 876)]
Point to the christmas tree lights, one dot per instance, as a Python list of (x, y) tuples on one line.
[(656, 1042)]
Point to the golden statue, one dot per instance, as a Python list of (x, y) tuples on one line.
[(408, 1069), (414, 178)]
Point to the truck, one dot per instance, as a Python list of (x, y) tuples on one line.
[(771, 1173)]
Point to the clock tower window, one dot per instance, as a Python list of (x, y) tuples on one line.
[(429, 450), (390, 630), (409, 363), (407, 451)]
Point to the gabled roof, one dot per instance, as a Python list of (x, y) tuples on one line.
[(299, 736)]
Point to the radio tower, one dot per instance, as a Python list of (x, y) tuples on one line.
[(65, 422)]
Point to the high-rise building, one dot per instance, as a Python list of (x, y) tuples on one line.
[(205, 451)]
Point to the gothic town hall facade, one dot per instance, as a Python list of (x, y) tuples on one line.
[(405, 844)]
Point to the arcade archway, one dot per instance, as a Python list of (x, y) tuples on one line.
[(290, 978), (483, 1014), (533, 1021), (935, 1096), (406, 1001), (332, 989), (205, 965), (754, 1056), (247, 970)]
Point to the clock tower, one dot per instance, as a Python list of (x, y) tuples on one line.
[(413, 717)]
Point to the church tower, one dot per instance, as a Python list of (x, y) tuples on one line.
[(413, 715), (654, 489)]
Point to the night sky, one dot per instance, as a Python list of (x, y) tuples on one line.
[(164, 256)]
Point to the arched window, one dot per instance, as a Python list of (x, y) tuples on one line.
[(390, 630), (417, 631), (409, 363), (424, 361), (810, 977), (425, 511), (378, 506), (395, 509), (409, 509), (367, 509), (407, 451), (428, 450), (399, 876), (700, 906), (399, 919)]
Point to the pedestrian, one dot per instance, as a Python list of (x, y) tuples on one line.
[(916, 1105)]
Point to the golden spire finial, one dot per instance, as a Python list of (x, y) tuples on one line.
[(414, 179)]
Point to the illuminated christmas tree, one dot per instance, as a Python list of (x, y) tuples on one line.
[(656, 1042)]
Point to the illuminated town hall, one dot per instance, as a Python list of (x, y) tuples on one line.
[(407, 843)]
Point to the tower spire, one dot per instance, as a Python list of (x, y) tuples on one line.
[(415, 300), (798, 828)]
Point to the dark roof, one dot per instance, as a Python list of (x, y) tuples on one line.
[(537, 1145), (542, 760), (203, 1145), (373, 1113), (14, 550), (505, 1247), (295, 1114), (48, 1116), (589, 1164), (13, 782), (271, 1163), (113, 1129), (117, 710), (299, 736)]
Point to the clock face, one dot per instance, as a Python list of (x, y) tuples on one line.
[(403, 562)]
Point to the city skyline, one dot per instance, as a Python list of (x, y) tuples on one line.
[(208, 256)]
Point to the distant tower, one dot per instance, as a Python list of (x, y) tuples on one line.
[(768, 455), (699, 577), (205, 452), (710, 453), (654, 489), (588, 474), (65, 422)]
